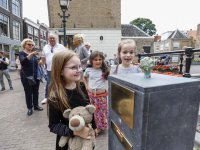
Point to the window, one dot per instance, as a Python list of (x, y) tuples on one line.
[(41, 33), (1, 50), (161, 46), (15, 7), (36, 41), (167, 45), (176, 44), (30, 37), (6, 48), (3, 3), (16, 30), (36, 32), (4, 25), (30, 30), (157, 47), (44, 34), (43, 43)]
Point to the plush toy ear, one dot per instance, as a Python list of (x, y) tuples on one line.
[(66, 113), (90, 108)]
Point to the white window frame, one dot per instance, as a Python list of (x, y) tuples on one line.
[(6, 5), (45, 34), (19, 31), (30, 37), (174, 58), (176, 44), (161, 47), (18, 8), (167, 43), (7, 27), (36, 43), (29, 27), (41, 33), (36, 31), (157, 47)]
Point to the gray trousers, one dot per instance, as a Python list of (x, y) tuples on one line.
[(6, 73)]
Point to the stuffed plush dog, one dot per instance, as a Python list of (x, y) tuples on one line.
[(78, 118)]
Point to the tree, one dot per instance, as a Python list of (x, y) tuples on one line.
[(145, 24)]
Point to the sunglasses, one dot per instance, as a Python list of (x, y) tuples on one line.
[(30, 44), (51, 50), (86, 45)]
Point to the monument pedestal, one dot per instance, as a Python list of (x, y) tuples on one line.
[(157, 113)]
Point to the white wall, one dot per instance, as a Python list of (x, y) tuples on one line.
[(112, 37)]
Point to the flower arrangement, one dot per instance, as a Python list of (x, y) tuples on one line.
[(167, 73), (167, 68), (147, 65)]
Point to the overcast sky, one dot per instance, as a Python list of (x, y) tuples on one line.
[(167, 15)]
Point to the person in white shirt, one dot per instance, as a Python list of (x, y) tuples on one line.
[(88, 45), (4, 71), (48, 52)]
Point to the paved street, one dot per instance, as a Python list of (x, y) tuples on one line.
[(22, 132)]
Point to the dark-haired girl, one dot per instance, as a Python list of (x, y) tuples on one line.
[(97, 72)]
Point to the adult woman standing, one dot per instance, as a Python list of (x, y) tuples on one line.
[(81, 50), (18, 66), (29, 65)]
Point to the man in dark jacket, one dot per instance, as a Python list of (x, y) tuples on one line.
[(4, 71)]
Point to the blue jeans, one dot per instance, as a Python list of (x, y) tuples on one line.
[(31, 92), (165, 60), (48, 81)]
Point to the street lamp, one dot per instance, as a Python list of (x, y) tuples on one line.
[(64, 5)]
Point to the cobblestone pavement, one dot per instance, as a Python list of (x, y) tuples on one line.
[(22, 132)]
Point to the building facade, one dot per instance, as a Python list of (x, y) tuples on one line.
[(197, 45), (36, 32), (100, 21), (174, 42), (11, 25)]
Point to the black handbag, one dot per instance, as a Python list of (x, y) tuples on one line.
[(31, 79)]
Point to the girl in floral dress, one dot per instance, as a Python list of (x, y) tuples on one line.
[(97, 72)]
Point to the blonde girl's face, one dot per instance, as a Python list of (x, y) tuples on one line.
[(72, 70), (75, 41), (97, 62), (29, 45), (127, 53)]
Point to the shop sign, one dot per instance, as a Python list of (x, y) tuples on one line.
[(16, 48)]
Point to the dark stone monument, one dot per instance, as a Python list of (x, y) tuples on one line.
[(164, 115)]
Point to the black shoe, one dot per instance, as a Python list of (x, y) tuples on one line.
[(30, 111), (38, 108), (2, 89), (11, 88)]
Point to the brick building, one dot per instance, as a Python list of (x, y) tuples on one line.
[(11, 25), (93, 18), (38, 32)]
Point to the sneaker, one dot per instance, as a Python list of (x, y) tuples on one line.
[(44, 101), (2, 89), (11, 88), (19, 77)]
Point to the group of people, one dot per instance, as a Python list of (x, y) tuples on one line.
[(66, 69)]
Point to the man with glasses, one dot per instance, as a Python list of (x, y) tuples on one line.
[(4, 71), (49, 50), (88, 45)]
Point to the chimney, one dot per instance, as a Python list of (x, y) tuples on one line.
[(38, 22), (190, 32)]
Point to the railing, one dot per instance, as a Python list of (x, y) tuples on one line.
[(188, 51)]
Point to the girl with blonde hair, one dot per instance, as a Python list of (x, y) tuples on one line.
[(126, 53), (66, 91)]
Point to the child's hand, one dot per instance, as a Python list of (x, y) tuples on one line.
[(84, 133), (96, 133)]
